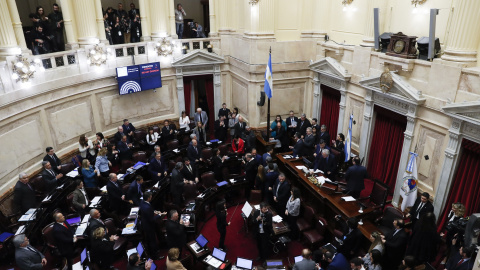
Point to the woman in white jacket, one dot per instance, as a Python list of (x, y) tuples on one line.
[(152, 137), (184, 121), (86, 148)]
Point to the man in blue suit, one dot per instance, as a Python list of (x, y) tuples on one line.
[(319, 148), (148, 216), (193, 152), (256, 157), (336, 261), (125, 149), (134, 192), (298, 147), (269, 153), (128, 129), (157, 168), (355, 176)]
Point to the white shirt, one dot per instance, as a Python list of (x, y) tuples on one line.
[(83, 150), (184, 122), (155, 138)]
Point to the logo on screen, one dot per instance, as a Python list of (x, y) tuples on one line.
[(130, 87)]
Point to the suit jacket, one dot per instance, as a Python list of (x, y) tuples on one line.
[(115, 194), (224, 112), (24, 196), (220, 131), (147, 216), (327, 164), (64, 239), (267, 222), (283, 193), (190, 175), (270, 178), (125, 152), (176, 183), (133, 193), (118, 137), (239, 129), (339, 262), (133, 12), (127, 129), (455, 259), (395, 245), (264, 159), (203, 138), (79, 200), (241, 146), (154, 168), (308, 145), (427, 208), (166, 136), (55, 161), (176, 235), (250, 140), (202, 117), (250, 171), (355, 176), (280, 135), (302, 127), (93, 224), (50, 180), (193, 154), (289, 123), (102, 253), (217, 167), (304, 264), (298, 148), (325, 136), (27, 259)]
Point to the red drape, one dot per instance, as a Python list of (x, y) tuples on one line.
[(329, 111), (465, 187), (386, 146), (187, 88), (211, 105)]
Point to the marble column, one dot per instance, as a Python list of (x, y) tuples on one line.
[(225, 17), (171, 16), (68, 24), (449, 163), (261, 20), (464, 37), (213, 19), (341, 111), (85, 21), (144, 19), (17, 24), (317, 96), (316, 23), (100, 23), (217, 87), (368, 32), (159, 18), (8, 41), (367, 126), (180, 91), (407, 143)]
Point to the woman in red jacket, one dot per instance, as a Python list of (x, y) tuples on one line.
[(238, 146)]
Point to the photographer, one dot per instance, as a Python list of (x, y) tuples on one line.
[(136, 30), (108, 28), (263, 223), (456, 226)]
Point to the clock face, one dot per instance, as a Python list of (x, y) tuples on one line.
[(399, 46)]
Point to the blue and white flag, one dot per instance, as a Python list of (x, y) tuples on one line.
[(348, 140), (268, 78), (408, 190)]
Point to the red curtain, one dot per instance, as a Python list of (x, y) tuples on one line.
[(187, 88), (386, 146), (329, 111), (465, 187), (211, 105)]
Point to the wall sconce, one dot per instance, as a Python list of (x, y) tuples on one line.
[(165, 47), (253, 2), (184, 49), (209, 48), (418, 2), (23, 69), (345, 3), (98, 56)]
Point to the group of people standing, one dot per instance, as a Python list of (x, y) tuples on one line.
[(122, 26), (47, 33)]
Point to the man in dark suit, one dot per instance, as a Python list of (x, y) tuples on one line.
[(50, 177), (119, 135), (292, 121), (355, 176), (189, 172), (148, 216), (306, 263), (280, 135), (315, 125), (308, 142), (177, 181), (239, 128), (323, 134), (318, 149), (271, 175), (461, 259), (269, 153), (421, 207), (156, 149), (395, 244), (125, 149), (168, 131), (256, 157), (133, 11), (250, 173), (157, 168), (194, 153), (80, 198), (327, 164), (64, 238), (263, 228), (303, 124), (250, 139), (298, 147), (221, 128), (128, 129), (352, 237), (200, 116), (53, 159), (281, 193), (116, 197), (94, 222), (26, 256), (175, 229), (134, 192), (224, 111), (24, 195), (336, 261)]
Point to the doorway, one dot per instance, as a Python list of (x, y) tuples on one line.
[(198, 93)]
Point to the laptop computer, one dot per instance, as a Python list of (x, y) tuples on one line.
[(244, 263), (154, 266), (200, 243), (140, 249), (298, 258), (74, 221), (216, 259), (274, 263), (83, 256)]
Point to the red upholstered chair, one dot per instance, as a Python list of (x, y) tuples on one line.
[(69, 200), (140, 156), (255, 197), (172, 144), (378, 197), (385, 222), (140, 137), (67, 167), (207, 153), (38, 184), (121, 242), (189, 193), (316, 235), (223, 149), (49, 240), (208, 180), (305, 221)]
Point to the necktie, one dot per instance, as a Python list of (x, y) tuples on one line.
[(159, 162), (419, 209), (460, 262), (51, 172), (65, 225), (189, 168)]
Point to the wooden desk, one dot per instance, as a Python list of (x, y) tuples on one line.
[(278, 228), (263, 145), (228, 264), (198, 255)]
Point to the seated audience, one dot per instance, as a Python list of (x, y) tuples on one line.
[(80, 198), (88, 173), (26, 256), (53, 159), (184, 121), (102, 164), (50, 177), (41, 43), (24, 195)]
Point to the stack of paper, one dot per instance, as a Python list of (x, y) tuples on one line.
[(176, 151), (277, 219), (29, 215), (257, 206), (95, 201), (77, 266), (318, 171), (86, 218), (129, 228), (73, 173), (287, 156), (301, 167), (232, 181), (20, 230), (348, 199), (104, 188), (81, 229)]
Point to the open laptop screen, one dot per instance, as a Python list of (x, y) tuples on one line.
[(217, 253), (83, 256), (201, 240), (244, 263), (298, 258), (74, 221), (140, 249)]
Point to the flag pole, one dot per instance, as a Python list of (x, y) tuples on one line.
[(268, 112)]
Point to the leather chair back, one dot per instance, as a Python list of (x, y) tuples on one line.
[(379, 193), (110, 225), (156, 129), (67, 167), (189, 192), (125, 188), (47, 234), (389, 215), (255, 197), (140, 156), (208, 179), (172, 144), (38, 183), (223, 149), (139, 135), (69, 200), (186, 140), (171, 165), (308, 213), (207, 153)]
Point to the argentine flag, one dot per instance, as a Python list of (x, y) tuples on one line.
[(408, 190), (348, 140), (268, 78)]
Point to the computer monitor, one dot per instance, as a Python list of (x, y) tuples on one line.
[(201, 240), (298, 258), (217, 253), (83, 256), (308, 163), (140, 249), (244, 263), (74, 221)]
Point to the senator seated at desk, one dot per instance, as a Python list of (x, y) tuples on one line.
[(24, 195)]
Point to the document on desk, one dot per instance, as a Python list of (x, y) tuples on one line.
[(20, 230), (29, 215), (81, 229), (47, 198), (213, 261), (120, 176), (257, 206), (301, 167), (77, 266), (95, 201), (128, 231), (60, 187), (247, 209), (287, 156), (73, 173), (277, 219), (104, 188), (318, 171), (86, 218), (348, 199), (176, 151), (134, 211)]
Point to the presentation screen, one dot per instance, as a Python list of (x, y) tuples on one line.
[(137, 78)]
